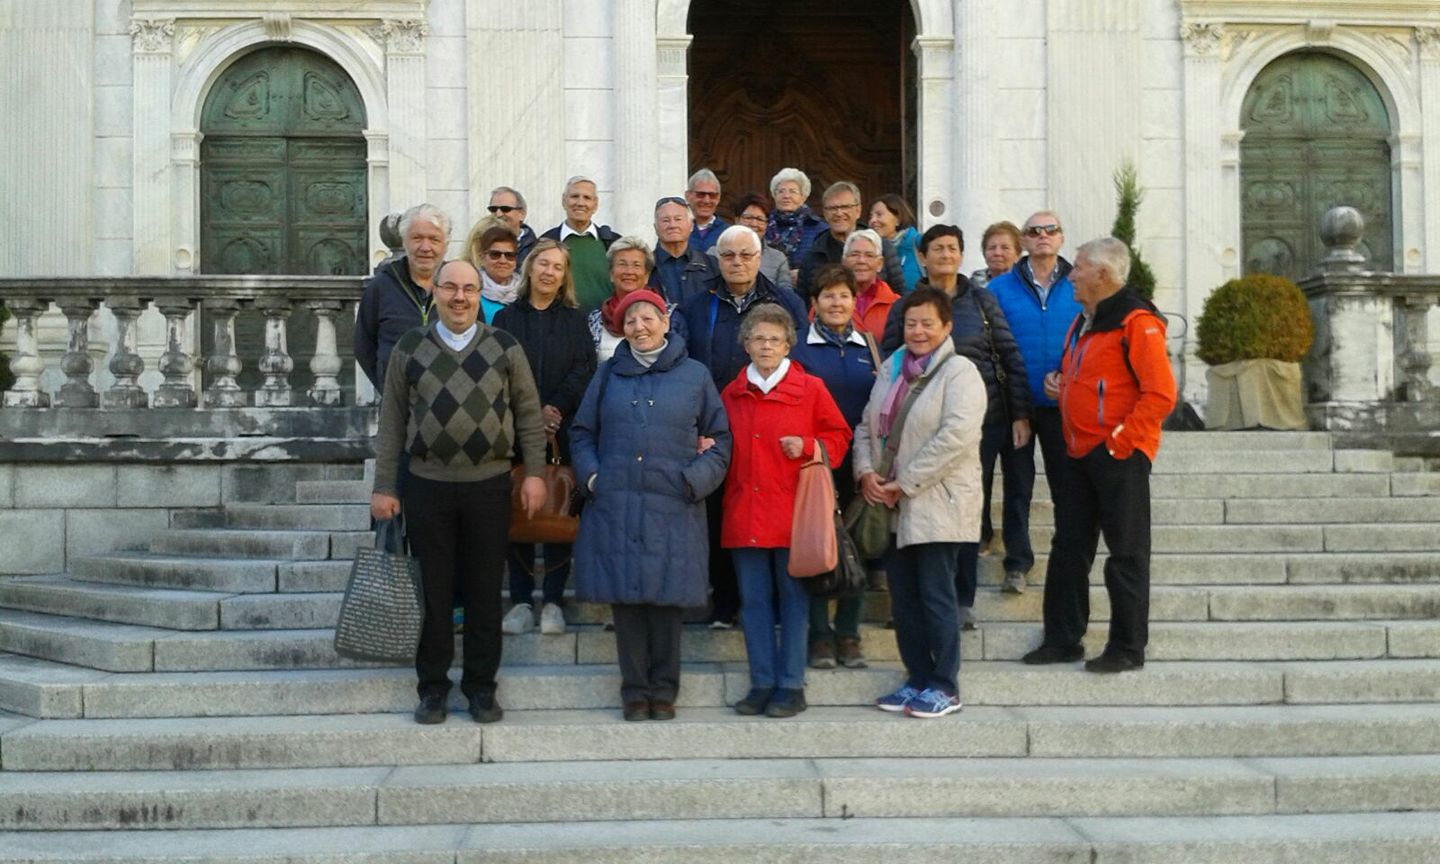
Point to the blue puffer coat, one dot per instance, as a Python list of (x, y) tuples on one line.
[(710, 326), (1039, 327), (642, 533)]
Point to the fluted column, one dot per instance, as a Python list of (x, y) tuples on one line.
[(405, 92), (532, 103), (975, 178), (125, 365), (326, 364), (223, 364), (275, 363), (1429, 40), (152, 41), (176, 364), (1204, 184), (936, 60), (77, 392), (673, 113), (635, 106), (26, 363)]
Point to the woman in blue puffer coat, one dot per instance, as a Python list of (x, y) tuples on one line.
[(649, 442)]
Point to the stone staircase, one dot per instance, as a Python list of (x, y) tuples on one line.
[(163, 705)]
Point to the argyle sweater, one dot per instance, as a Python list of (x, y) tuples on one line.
[(459, 414)]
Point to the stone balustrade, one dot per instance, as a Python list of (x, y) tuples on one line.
[(218, 300)]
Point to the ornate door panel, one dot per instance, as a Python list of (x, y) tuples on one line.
[(821, 86), (1316, 136), (283, 183)]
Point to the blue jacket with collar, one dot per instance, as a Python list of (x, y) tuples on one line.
[(848, 372), (1039, 326), (709, 325), (680, 277)]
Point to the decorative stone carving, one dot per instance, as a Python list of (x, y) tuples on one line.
[(176, 363), (1319, 30), (26, 362), (152, 35), (223, 364), (1340, 230), (77, 392), (326, 363), (403, 35), (277, 26), (1233, 40), (1428, 38), (275, 364), (1202, 38), (126, 365)]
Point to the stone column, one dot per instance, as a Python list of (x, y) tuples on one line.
[(974, 182), (1204, 186), (223, 364), (635, 107), (125, 365), (325, 365), (26, 362), (185, 213), (275, 364), (532, 103), (935, 136), (405, 93), (77, 392), (672, 101), (1429, 40), (152, 41), (176, 364)]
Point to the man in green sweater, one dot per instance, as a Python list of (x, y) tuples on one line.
[(586, 241), (461, 400)]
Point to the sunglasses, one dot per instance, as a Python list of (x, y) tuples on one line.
[(502, 209), (1037, 230), (671, 199), (498, 255)]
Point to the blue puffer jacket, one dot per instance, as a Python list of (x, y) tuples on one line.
[(643, 528), (1039, 328), (710, 325)]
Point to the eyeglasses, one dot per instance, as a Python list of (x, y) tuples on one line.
[(1036, 230), (767, 340), (502, 209), (498, 255), (731, 255), (671, 199), (751, 217), (856, 253), (706, 195), (452, 288), (841, 208)]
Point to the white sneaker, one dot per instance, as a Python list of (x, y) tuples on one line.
[(519, 619), (552, 620)]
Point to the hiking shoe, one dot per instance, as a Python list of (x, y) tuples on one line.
[(755, 701), (662, 710), (1109, 662), (520, 619), (847, 651), (895, 702), (967, 618), (1048, 653), (1014, 583), (932, 703), (636, 711), (822, 654), (484, 709), (552, 620), (431, 709), (786, 703)]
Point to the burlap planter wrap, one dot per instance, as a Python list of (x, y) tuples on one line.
[(1250, 393)]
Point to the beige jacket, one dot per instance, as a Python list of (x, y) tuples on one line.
[(938, 462)]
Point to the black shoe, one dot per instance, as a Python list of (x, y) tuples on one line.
[(787, 703), (431, 709), (1109, 662), (754, 701), (662, 710), (636, 711), (484, 709), (1048, 653)]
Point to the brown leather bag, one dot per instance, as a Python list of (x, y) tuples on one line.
[(555, 522), (814, 546)]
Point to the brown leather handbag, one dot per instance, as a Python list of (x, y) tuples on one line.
[(556, 522), (814, 545)]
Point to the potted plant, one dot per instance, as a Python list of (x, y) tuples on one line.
[(1253, 333)]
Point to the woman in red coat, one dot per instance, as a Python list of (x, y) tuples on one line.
[(777, 413)]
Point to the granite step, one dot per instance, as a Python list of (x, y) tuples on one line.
[(1341, 838), (263, 544), (307, 517), (332, 492), (78, 642), (693, 789), (178, 569), (123, 604)]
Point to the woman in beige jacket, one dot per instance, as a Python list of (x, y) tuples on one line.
[(933, 480)]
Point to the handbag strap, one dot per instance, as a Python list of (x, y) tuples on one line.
[(990, 340), (390, 535), (892, 442), (874, 349)]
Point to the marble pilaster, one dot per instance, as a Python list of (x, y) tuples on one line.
[(1205, 183), (935, 59), (974, 182), (405, 92), (1429, 41), (152, 46), (635, 107)]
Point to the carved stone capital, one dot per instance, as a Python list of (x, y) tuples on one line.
[(1202, 38), (152, 35), (403, 35), (1428, 38), (1319, 30), (277, 26)]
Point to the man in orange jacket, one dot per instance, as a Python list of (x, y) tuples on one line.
[(1115, 388)]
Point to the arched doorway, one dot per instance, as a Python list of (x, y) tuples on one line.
[(1316, 136), (825, 87)]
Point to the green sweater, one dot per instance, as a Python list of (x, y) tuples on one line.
[(591, 270), (459, 413)]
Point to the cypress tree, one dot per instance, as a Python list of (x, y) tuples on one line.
[(1128, 197)]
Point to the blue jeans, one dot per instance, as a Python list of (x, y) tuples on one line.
[(1018, 470), (927, 616), (553, 578), (760, 573)]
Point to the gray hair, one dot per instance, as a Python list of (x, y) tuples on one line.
[(791, 175), (579, 178), (768, 313), (631, 243), (1109, 254), (425, 213), (842, 186), (519, 199), (863, 234), (747, 234), (704, 175)]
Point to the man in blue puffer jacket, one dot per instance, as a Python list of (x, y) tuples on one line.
[(1039, 303)]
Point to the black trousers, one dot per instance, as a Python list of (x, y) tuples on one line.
[(647, 639), (724, 589), (460, 532), (1102, 495)]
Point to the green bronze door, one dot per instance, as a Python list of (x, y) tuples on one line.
[(1316, 136), (282, 178)]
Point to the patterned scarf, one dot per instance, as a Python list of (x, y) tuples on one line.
[(911, 367), (784, 231), (839, 339), (497, 293), (607, 315)]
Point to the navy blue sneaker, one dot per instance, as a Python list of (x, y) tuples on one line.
[(932, 703), (895, 702)]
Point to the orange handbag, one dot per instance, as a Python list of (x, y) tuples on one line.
[(814, 546), (555, 522)]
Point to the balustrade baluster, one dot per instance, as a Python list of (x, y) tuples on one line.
[(77, 391), (275, 364), (223, 364), (125, 365), (1414, 361), (176, 364), (326, 363), (27, 364)]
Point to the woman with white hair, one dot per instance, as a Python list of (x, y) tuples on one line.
[(874, 297), (792, 223), (631, 263)]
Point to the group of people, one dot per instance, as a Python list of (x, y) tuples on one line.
[(687, 384)]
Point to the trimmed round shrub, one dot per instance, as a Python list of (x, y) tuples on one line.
[(1258, 317)]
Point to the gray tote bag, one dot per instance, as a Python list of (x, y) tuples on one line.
[(383, 608)]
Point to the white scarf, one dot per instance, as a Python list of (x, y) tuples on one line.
[(648, 358), (497, 293), (767, 384)]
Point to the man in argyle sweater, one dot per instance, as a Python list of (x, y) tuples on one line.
[(460, 399)]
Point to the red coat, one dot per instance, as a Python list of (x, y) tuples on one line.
[(760, 488), (873, 322)]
